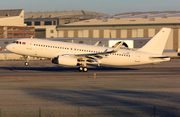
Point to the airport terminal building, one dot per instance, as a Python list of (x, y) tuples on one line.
[(12, 25)]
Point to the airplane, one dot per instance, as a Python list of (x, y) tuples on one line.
[(74, 54)]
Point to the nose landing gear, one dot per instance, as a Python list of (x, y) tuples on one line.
[(26, 63), (27, 60)]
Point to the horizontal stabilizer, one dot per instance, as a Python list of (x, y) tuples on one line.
[(161, 58)]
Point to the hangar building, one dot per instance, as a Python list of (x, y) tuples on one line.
[(126, 25)]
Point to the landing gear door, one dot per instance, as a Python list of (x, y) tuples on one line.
[(29, 44), (137, 57)]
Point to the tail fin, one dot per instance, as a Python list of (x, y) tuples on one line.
[(157, 43)]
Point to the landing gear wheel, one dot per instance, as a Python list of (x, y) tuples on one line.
[(26, 63), (85, 69), (80, 69)]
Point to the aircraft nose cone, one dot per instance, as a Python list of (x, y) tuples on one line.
[(9, 47)]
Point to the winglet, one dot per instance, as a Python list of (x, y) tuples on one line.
[(118, 47), (96, 43)]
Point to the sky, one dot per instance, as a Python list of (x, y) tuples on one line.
[(110, 7)]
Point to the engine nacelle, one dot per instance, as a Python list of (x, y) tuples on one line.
[(65, 60)]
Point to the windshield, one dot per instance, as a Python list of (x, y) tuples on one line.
[(17, 42)]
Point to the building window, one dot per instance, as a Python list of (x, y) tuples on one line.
[(52, 31), (20, 35), (15, 29), (67, 21), (10, 29), (37, 23), (54, 22), (26, 29), (21, 29), (48, 23), (9, 35), (0, 35), (26, 35), (16, 35), (28, 23)]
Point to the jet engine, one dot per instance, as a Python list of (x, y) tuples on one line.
[(65, 60)]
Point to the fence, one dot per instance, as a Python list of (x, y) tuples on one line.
[(113, 111)]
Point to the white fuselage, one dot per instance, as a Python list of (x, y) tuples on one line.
[(51, 49)]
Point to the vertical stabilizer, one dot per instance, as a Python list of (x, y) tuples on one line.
[(157, 43)]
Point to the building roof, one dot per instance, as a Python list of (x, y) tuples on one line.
[(167, 17), (61, 14), (149, 13), (9, 13)]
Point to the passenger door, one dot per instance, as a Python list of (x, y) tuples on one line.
[(29, 44)]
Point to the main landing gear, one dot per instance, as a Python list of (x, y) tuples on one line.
[(27, 60), (82, 69)]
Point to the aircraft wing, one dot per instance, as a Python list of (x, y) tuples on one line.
[(94, 56)]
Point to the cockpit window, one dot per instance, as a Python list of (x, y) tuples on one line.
[(17, 42)]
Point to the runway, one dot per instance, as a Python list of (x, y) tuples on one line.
[(67, 71), (102, 91)]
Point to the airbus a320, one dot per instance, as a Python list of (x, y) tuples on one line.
[(73, 54)]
